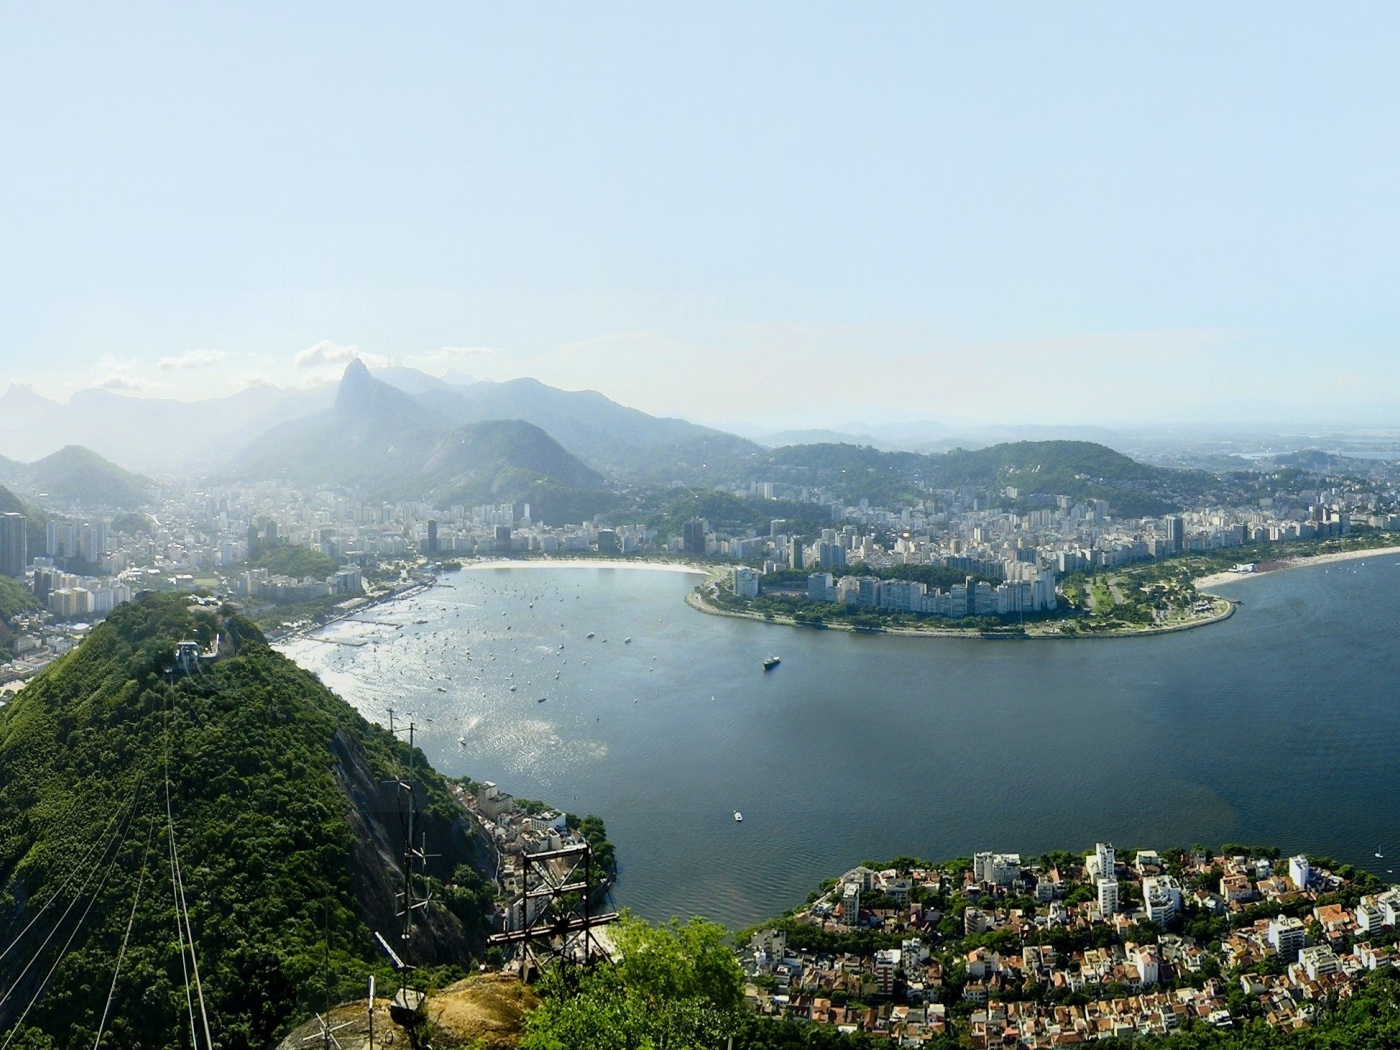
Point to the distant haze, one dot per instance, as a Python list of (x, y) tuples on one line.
[(789, 216)]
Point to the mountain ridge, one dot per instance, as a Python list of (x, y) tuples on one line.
[(385, 441)]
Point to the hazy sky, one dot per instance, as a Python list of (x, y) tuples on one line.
[(1020, 213)]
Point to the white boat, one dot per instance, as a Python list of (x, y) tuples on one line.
[(738, 816)]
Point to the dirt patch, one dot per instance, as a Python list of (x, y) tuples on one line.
[(485, 1011)]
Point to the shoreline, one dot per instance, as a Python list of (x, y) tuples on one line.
[(1217, 579), (697, 602), (688, 568)]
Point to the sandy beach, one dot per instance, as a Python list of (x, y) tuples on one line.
[(1215, 579), (588, 563)]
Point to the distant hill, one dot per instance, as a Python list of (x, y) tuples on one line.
[(382, 440), (78, 475), (1039, 460), (287, 832), (149, 433), (10, 503), (36, 520), (495, 459), (623, 442), (1080, 469)]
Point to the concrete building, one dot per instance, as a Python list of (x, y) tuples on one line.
[(850, 903), (1161, 896), (1299, 870), (996, 869), (1286, 935), (14, 544), (1100, 863), (746, 582), (1318, 961), (1108, 897), (887, 962), (693, 537)]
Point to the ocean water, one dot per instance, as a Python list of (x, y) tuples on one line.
[(1279, 725)]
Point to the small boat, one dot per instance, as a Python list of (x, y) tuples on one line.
[(1378, 854), (627, 640), (771, 662), (462, 740), (589, 634), (738, 817), (541, 699)]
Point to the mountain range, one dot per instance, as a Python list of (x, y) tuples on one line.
[(165, 436), (385, 442), (401, 434)]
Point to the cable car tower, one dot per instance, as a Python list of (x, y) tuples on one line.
[(555, 908), (406, 1006)]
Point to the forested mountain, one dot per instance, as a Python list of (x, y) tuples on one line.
[(385, 442), (78, 476), (1079, 469), (621, 441), (287, 839)]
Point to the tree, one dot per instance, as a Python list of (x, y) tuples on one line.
[(674, 987)]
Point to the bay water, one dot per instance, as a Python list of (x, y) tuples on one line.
[(1278, 726)]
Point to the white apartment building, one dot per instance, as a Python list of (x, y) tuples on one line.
[(1108, 897), (1299, 871)]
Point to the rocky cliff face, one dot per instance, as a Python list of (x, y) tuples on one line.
[(378, 814)]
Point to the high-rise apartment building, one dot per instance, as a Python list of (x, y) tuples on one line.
[(14, 544)]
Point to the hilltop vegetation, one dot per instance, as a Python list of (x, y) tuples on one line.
[(15, 598), (286, 839), (1079, 469), (291, 559), (78, 475)]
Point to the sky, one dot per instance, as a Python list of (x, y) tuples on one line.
[(800, 214)]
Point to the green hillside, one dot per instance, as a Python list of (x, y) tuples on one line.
[(1039, 459), (79, 475), (500, 460), (1079, 469), (15, 598), (284, 829), (36, 519), (384, 442)]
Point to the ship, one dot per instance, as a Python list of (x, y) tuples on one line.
[(771, 662)]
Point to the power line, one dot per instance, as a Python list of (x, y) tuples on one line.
[(43, 984), (59, 892), (131, 919), (194, 959), (117, 838), (170, 827), (184, 931)]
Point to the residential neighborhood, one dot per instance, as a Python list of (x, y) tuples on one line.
[(1061, 949)]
